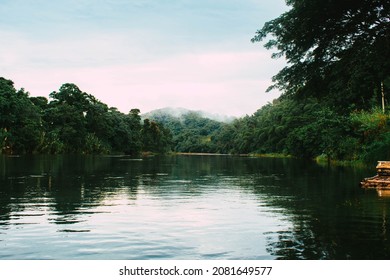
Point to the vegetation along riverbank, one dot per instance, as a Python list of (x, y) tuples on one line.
[(334, 101)]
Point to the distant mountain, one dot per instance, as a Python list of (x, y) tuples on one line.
[(192, 131), (179, 113)]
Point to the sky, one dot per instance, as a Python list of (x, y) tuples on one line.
[(144, 54)]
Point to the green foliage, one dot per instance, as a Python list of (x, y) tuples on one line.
[(378, 149), (155, 137), (338, 50), (338, 56), (373, 130), (133, 122), (72, 122), (191, 133), (93, 145), (75, 122), (302, 129), (20, 120), (51, 143), (69, 124), (370, 124)]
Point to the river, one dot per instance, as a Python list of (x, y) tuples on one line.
[(187, 207)]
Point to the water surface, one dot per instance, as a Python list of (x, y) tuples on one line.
[(187, 207)]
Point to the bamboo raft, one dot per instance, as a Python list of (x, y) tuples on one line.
[(381, 181)]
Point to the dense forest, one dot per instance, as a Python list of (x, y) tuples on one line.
[(73, 122), (192, 131), (333, 102), (335, 83)]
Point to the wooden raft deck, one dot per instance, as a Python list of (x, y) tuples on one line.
[(381, 180), (377, 181)]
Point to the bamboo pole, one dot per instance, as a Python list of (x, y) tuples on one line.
[(383, 97)]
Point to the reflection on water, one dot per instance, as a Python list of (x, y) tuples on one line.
[(187, 207)]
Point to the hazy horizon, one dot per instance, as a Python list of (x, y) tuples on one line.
[(143, 54)]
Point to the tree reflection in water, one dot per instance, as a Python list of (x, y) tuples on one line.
[(328, 215), (332, 218)]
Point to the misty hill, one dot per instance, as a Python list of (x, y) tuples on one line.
[(192, 131), (160, 114)]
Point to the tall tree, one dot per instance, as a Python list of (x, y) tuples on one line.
[(65, 118), (20, 120), (133, 120), (155, 137), (334, 48)]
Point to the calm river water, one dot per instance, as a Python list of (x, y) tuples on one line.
[(187, 207)]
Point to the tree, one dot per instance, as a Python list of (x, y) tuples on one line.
[(67, 126), (133, 121), (155, 137), (99, 126), (65, 119), (20, 120), (70, 94), (339, 49)]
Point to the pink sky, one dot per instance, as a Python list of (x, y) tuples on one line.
[(204, 61)]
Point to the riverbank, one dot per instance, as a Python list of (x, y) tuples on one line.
[(240, 155), (323, 160)]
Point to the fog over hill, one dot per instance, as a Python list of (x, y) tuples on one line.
[(192, 131), (180, 112)]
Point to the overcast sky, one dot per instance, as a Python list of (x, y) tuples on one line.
[(144, 54)]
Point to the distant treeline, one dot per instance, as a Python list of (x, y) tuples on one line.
[(73, 122)]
